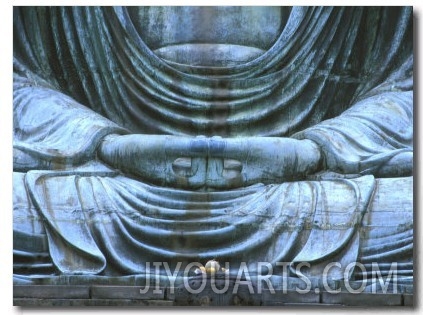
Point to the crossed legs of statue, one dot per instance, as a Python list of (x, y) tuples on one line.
[(385, 232)]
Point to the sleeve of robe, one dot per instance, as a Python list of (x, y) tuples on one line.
[(375, 135), (52, 130)]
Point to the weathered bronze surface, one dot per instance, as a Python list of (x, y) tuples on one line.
[(150, 138)]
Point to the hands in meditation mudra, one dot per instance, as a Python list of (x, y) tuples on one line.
[(210, 162)]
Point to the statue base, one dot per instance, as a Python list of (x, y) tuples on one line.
[(211, 291)]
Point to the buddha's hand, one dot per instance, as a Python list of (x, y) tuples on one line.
[(265, 160), (215, 162), (159, 159)]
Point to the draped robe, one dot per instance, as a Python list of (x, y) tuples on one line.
[(341, 77)]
